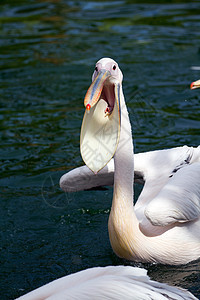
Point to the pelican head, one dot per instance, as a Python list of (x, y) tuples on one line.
[(106, 74), (100, 129), (195, 85), (110, 65)]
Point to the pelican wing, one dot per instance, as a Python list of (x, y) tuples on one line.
[(112, 282), (159, 166), (179, 199), (82, 178), (154, 164), (154, 167)]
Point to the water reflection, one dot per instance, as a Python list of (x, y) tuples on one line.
[(183, 275)]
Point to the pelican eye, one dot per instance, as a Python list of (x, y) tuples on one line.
[(96, 69), (114, 67)]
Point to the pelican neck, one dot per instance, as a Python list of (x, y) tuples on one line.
[(124, 160)]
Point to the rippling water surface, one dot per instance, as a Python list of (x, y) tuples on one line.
[(47, 54)]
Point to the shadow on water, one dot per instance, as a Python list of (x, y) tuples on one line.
[(47, 53)]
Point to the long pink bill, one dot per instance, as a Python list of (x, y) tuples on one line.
[(94, 92)]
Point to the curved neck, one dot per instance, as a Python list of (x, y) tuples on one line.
[(123, 223), (124, 161)]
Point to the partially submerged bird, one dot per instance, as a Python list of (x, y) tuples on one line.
[(164, 225), (112, 282), (195, 85)]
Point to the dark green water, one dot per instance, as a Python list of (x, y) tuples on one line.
[(47, 53)]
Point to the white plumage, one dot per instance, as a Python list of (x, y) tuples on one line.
[(153, 168), (107, 283), (164, 224)]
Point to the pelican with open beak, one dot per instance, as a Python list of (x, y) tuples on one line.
[(101, 125), (164, 224)]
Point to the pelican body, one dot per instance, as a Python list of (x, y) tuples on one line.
[(164, 224), (108, 283)]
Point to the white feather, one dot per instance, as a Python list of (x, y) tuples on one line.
[(178, 200), (112, 282), (148, 166)]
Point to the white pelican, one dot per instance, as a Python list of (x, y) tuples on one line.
[(152, 168), (112, 282), (164, 225)]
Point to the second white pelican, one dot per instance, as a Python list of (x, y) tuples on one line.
[(108, 283), (195, 85)]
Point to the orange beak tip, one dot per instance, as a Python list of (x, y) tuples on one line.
[(88, 106), (192, 85)]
